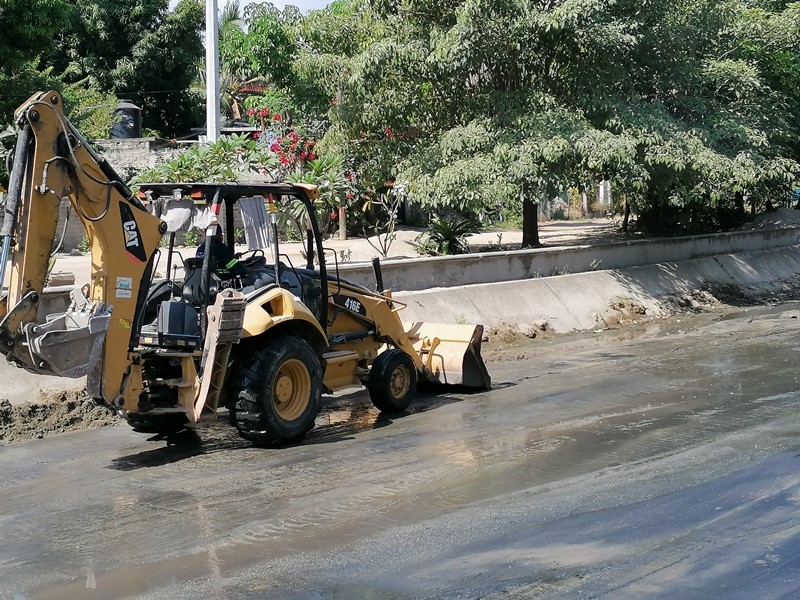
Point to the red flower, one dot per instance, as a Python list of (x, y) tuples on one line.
[(275, 146), (284, 160), (389, 132), (349, 195), (333, 101), (363, 133), (334, 214), (311, 156), (350, 176), (264, 112), (277, 117), (303, 154), (251, 112), (293, 136), (389, 183), (256, 135)]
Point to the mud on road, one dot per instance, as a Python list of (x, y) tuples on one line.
[(54, 413)]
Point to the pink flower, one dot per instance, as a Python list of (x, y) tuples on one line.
[(284, 160), (256, 135), (264, 112), (349, 195), (251, 112), (303, 154), (277, 117), (275, 146), (389, 183), (334, 214), (389, 132)]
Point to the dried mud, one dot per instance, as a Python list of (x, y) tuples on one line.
[(53, 413), (508, 342)]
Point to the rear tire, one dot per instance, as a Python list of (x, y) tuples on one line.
[(278, 392), (392, 381)]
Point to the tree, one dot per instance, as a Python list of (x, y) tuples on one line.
[(29, 28), (139, 50), (485, 105)]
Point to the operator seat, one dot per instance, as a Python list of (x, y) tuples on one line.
[(193, 281)]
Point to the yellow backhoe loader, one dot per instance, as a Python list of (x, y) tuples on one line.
[(265, 340)]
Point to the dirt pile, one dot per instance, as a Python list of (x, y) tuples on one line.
[(53, 413), (775, 219)]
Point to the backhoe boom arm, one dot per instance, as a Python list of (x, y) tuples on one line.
[(95, 336)]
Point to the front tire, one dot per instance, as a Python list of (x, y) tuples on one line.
[(392, 381), (278, 392)]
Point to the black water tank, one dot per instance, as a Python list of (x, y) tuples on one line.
[(128, 121)]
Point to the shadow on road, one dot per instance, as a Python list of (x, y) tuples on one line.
[(180, 445), (341, 418)]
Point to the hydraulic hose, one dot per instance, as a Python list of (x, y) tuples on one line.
[(14, 194)]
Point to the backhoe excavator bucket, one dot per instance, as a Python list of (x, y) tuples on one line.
[(451, 354), (70, 344)]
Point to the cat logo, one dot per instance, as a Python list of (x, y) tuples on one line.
[(130, 232)]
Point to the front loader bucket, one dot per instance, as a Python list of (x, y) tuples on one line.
[(451, 354)]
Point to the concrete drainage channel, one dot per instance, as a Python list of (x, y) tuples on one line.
[(584, 301)]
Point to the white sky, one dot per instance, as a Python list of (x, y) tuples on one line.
[(303, 5)]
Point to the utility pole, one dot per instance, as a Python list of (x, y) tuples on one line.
[(212, 72)]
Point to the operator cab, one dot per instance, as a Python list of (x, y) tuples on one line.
[(172, 313)]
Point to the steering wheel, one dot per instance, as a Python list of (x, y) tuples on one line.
[(256, 258)]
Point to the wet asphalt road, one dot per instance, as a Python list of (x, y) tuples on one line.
[(649, 462)]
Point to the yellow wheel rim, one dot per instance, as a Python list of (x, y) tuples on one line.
[(291, 390), (399, 382)]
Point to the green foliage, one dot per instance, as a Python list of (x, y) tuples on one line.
[(90, 109), (447, 235), (137, 49), (481, 104), (191, 238), (29, 28), (231, 158), (84, 245), (327, 173)]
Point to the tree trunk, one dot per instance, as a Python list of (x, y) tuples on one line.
[(738, 202), (530, 223), (626, 216)]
